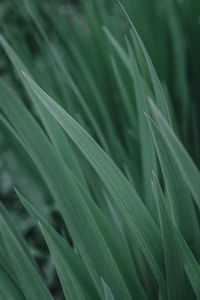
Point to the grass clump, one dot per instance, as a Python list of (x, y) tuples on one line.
[(99, 137)]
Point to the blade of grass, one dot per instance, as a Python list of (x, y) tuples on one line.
[(75, 279), (8, 290), (191, 266), (56, 56), (183, 168), (181, 204), (147, 153), (126, 266), (16, 233), (74, 209), (26, 273), (160, 96), (173, 263), (58, 138), (107, 291), (123, 193)]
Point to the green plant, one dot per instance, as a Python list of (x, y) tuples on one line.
[(104, 156)]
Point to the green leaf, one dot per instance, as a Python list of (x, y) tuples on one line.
[(75, 279), (173, 263), (16, 233), (26, 273), (55, 133), (121, 52), (107, 291), (8, 290), (123, 193), (191, 266), (147, 153), (160, 96), (74, 208), (184, 163), (174, 165)]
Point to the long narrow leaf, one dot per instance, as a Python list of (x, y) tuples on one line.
[(122, 191), (71, 204), (74, 277)]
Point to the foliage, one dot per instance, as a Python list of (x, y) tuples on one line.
[(99, 150)]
